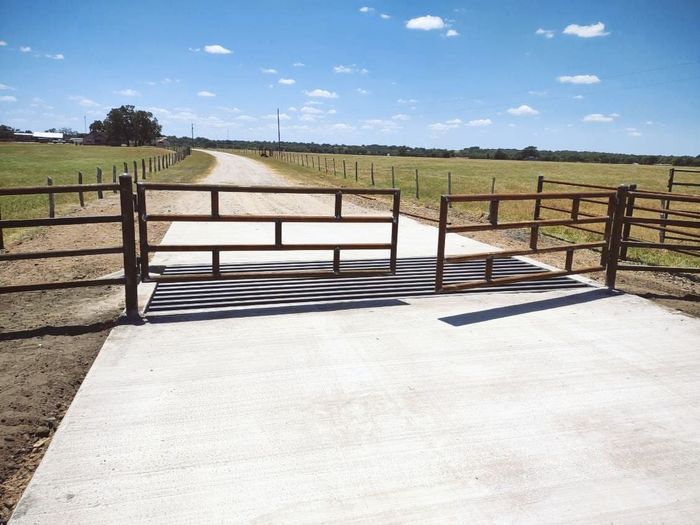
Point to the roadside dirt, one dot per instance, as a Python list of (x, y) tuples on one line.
[(48, 340)]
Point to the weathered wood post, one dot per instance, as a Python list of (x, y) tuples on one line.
[(345, 173), (393, 179), (143, 169), (81, 195), (2, 240), (371, 171), (98, 179), (616, 236), (114, 175), (355, 171), (417, 186), (334, 173), (129, 247), (126, 168), (449, 185), (52, 198), (319, 163), (325, 164), (136, 171)]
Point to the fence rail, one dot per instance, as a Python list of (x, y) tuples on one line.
[(534, 225), (127, 247), (279, 220)]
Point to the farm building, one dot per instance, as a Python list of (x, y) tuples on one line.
[(95, 138), (39, 136)]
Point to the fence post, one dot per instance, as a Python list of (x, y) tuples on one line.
[(52, 199), (143, 169), (626, 227), (442, 231), (150, 165), (126, 168), (371, 173), (345, 173), (325, 163), (334, 166), (2, 240), (98, 179), (618, 217), (319, 163), (114, 175), (313, 164), (393, 180), (666, 204), (449, 185), (417, 186), (129, 247), (535, 230), (493, 185), (136, 171), (81, 195), (355, 171)]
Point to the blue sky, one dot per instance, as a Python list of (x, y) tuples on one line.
[(619, 76)]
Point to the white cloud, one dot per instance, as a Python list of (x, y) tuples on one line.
[(578, 97), (321, 93), (366, 9), (400, 116), (128, 92), (451, 33), (523, 111), (229, 109), (57, 56), (286, 81), (349, 69), (246, 118), (5, 86), (480, 122), (273, 116), (649, 123), (590, 31), (579, 79), (599, 117), (633, 132), (85, 102), (25, 49), (8, 98), (298, 64), (194, 49), (3, 43), (406, 101), (386, 126), (310, 110), (205, 94), (426, 23), (454, 121), (537, 93), (362, 91), (547, 33), (292, 108), (268, 71), (216, 49), (511, 125), (384, 16), (342, 127)]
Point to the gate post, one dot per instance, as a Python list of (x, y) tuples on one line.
[(442, 232), (614, 243), (129, 247)]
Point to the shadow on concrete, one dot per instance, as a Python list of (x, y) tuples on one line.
[(526, 308), (270, 311)]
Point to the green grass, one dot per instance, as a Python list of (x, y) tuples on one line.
[(31, 164), (476, 176)]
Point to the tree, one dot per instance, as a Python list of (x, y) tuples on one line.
[(97, 127), (6, 132), (125, 125), (529, 153)]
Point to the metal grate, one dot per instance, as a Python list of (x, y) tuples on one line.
[(414, 277)]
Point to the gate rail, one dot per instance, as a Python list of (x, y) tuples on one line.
[(576, 218), (127, 247), (279, 220)]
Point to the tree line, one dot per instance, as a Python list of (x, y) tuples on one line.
[(473, 152)]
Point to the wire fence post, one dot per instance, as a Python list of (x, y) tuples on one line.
[(393, 180), (81, 195), (417, 186), (52, 198), (345, 173), (449, 185), (98, 179), (114, 175), (355, 171), (371, 171)]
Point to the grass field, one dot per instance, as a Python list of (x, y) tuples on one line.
[(31, 164), (477, 176)]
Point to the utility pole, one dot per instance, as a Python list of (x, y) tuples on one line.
[(193, 134), (85, 123), (279, 139)]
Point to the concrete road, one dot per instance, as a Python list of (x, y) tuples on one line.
[(557, 407)]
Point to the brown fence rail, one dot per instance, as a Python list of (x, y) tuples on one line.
[(127, 247), (685, 229), (575, 220), (279, 220)]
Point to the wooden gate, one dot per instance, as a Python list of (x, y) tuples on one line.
[(567, 203)]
